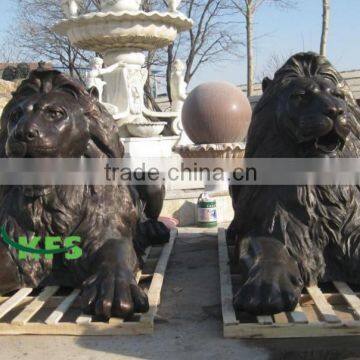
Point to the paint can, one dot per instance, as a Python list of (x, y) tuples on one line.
[(206, 211)]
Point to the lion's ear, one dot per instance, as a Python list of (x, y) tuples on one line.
[(4, 119), (266, 83), (3, 138)]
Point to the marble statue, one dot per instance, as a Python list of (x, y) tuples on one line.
[(120, 5), (178, 93), (70, 8), (178, 85), (173, 5), (93, 80)]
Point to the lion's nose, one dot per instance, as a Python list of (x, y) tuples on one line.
[(333, 112), (31, 134), (27, 134)]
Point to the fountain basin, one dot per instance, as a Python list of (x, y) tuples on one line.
[(146, 128), (103, 31)]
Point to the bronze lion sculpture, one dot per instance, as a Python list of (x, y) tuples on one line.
[(51, 116), (290, 236)]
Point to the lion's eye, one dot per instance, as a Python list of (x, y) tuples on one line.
[(299, 95), (55, 114), (16, 115), (338, 93)]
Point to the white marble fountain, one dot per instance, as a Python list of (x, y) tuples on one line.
[(121, 32)]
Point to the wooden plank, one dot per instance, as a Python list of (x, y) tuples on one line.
[(325, 309), (84, 324), (145, 257), (14, 300), (298, 316), (31, 309), (83, 319), (154, 293), (60, 311), (53, 302), (228, 312), (264, 319), (281, 318), (299, 323), (286, 331), (349, 296), (116, 321), (67, 328)]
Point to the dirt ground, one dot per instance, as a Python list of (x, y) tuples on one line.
[(188, 326)]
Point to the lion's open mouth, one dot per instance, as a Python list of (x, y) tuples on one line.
[(329, 143)]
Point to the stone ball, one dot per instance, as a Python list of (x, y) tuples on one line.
[(216, 112)]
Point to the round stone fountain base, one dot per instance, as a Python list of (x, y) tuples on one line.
[(213, 151)]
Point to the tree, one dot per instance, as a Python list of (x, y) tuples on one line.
[(213, 38), (274, 62), (325, 26), (247, 9), (32, 33), (9, 53)]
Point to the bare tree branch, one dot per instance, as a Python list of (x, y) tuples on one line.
[(32, 33), (248, 8), (325, 26)]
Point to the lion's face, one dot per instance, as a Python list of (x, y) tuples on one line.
[(313, 113), (47, 125)]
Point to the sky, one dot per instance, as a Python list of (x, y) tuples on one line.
[(285, 32), (278, 33)]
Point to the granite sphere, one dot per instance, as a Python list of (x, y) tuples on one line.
[(216, 112)]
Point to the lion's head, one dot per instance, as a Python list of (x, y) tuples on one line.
[(51, 115), (307, 110)]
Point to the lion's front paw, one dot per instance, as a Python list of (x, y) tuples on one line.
[(113, 293), (271, 287)]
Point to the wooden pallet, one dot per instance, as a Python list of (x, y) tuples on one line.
[(47, 314), (318, 314)]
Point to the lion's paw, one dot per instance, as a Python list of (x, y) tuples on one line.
[(113, 293), (271, 287)]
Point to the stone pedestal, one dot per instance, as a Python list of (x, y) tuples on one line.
[(160, 147)]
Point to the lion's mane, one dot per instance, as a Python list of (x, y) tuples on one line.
[(105, 141), (70, 207), (307, 219), (264, 139)]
